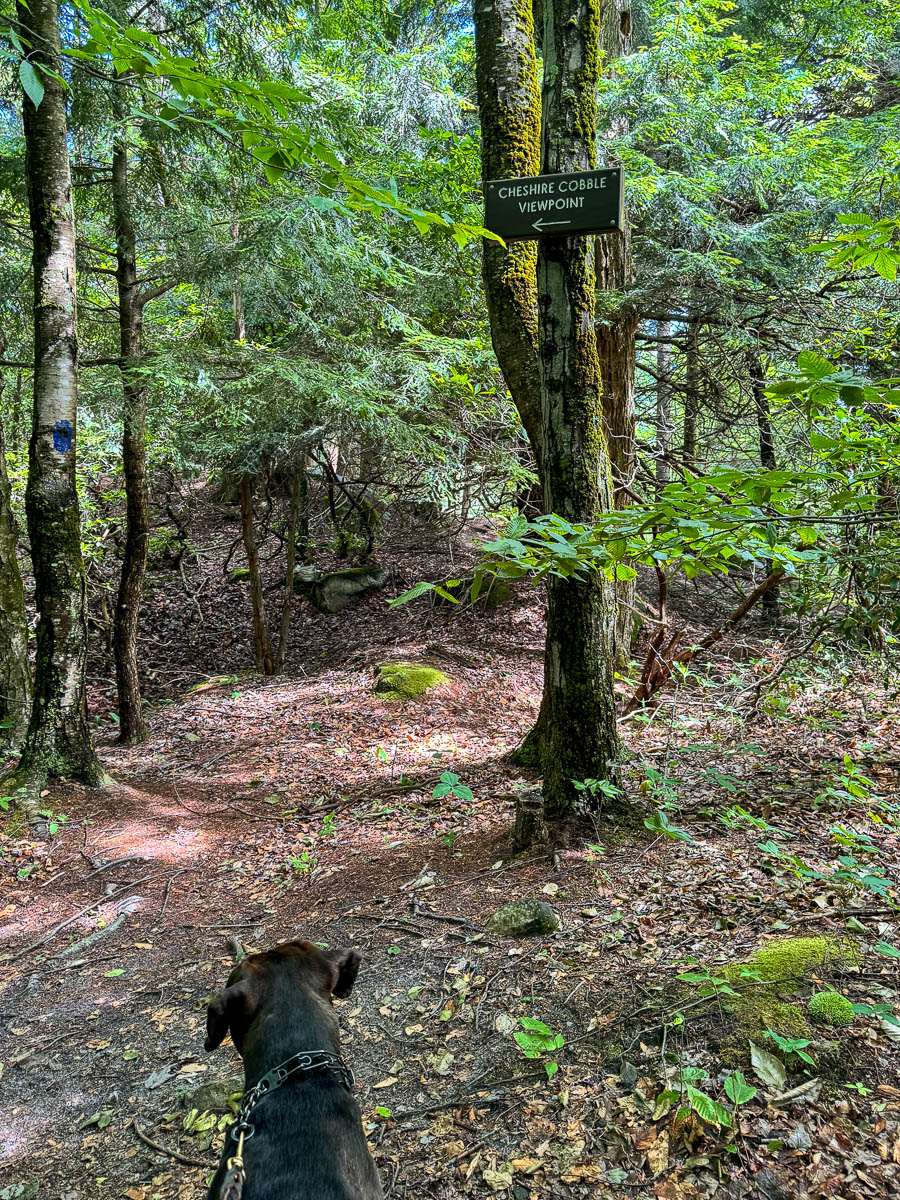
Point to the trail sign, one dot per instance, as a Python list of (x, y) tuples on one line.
[(554, 205)]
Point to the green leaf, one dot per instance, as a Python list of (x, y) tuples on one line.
[(710, 1110), (887, 950), (737, 1089), (31, 83), (114, 974)]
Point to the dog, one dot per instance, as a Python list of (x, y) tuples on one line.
[(306, 1140)]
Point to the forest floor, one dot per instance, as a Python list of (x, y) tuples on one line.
[(266, 809)]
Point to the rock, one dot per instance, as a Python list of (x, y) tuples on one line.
[(524, 918), (628, 1076), (336, 590), (406, 681), (494, 592), (304, 577), (800, 1139), (239, 574), (831, 1008), (213, 1095)]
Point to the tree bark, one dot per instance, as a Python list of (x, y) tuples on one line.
[(287, 602), (691, 397), (15, 677), (134, 452), (262, 644), (509, 104), (237, 296), (767, 457), (616, 330), (58, 741), (581, 739), (663, 403)]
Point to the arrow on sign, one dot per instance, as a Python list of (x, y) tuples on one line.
[(540, 223)]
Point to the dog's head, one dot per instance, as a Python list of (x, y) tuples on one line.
[(295, 980)]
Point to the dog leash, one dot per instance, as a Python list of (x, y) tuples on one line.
[(305, 1062)]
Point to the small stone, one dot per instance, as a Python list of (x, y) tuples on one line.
[(524, 918), (799, 1139), (628, 1076)]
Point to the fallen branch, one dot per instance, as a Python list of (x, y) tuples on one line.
[(660, 660), (176, 1154)]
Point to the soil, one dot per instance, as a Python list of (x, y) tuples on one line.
[(266, 809)]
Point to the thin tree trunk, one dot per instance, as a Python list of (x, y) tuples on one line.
[(691, 397), (237, 297), (616, 330), (262, 645), (663, 403), (288, 600), (581, 739), (304, 545), (509, 103), (15, 677), (767, 457), (134, 453), (58, 742)]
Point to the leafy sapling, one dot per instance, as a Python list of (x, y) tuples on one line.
[(537, 1040), (450, 786)]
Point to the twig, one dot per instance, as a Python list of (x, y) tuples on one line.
[(165, 903), (74, 917), (176, 1154), (116, 862)]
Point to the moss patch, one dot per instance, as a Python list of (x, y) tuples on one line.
[(406, 681), (830, 1008), (784, 964)]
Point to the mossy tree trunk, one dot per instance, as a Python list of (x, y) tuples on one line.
[(58, 741), (616, 330), (134, 453), (262, 643), (581, 739), (691, 395), (15, 677), (509, 103)]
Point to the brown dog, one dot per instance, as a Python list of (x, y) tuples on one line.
[(303, 1135)]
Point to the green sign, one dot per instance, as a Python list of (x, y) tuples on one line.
[(554, 205)]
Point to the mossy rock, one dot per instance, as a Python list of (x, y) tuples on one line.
[(336, 590), (214, 1095), (524, 918), (239, 574), (831, 1008), (785, 962), (406, 681)]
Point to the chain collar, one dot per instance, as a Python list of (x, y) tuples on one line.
[(303, 1063)]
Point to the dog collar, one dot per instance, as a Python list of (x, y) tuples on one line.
[(306, 1062)]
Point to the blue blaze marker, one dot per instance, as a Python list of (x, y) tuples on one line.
[(62, 437)]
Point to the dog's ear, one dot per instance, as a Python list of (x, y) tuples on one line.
[(231, 1009), (346, 965)]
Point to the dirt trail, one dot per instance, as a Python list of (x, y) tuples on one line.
[(263, 810)]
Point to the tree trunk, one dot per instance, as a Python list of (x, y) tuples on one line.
[(616, 329), (15, 677), (509, 104), (58, 741), (304, 545), (663, 402), (581, 738), (237, 297), (766, 455), (262, 645), (691, 397), (134, 453), (288, 600)]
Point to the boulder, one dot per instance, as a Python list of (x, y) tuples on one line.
[(406, 681), (524, 918), (337, 589)]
